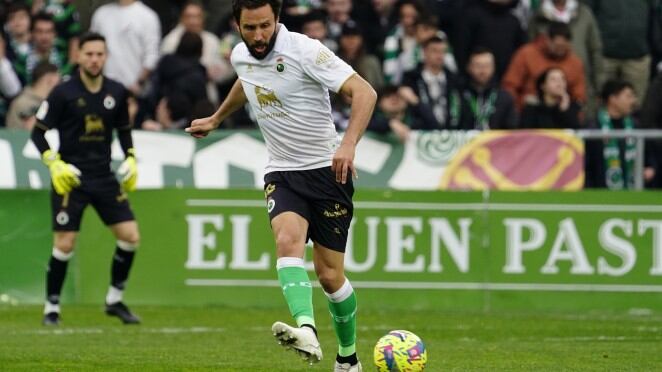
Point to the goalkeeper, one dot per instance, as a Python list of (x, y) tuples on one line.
[(85, 110)]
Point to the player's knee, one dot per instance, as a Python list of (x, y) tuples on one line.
[(286, 244), (64, 244), (129, 243), (330, 279)]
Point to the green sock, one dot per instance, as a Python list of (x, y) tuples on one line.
[(297, 289), (342, 305)]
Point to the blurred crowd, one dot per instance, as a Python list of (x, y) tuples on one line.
[(436, 64)]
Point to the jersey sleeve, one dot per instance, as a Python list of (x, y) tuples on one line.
[(50, 111), (122, 120), (323, 66)]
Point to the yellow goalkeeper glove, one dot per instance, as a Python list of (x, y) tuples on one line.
[(128, 171), (64, 176)]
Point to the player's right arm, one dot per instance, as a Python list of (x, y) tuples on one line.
[(64, 176), (236, 99)]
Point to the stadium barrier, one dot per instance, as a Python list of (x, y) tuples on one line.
[(449, 160), (456, 250)]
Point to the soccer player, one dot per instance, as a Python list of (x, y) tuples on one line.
[(85, 110), (285, 76)]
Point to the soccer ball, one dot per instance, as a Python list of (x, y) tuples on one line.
[(400, 351)]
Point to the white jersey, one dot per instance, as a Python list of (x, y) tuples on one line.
[(289, 92)]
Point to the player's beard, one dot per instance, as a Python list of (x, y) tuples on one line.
[(267, 50), (90, 75)]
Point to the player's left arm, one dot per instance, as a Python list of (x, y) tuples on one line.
[(128, 170), (363, 102)]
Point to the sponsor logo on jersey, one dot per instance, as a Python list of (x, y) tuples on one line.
[(265, 98), (93, 124)]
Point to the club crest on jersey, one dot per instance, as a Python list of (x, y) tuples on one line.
[(270, 205), (280, 66), (109, 102), (267, 98)]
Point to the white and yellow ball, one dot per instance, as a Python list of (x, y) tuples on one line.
[(400, 351)]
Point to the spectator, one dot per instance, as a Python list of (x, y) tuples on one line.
[(67, 25), (339, 13), (295, 11), (554, 108), (586, 42), (314, 26), (551, 50), (42, 48), (399, 111), (437, 88), (651, 118), (17, 29), (377, 18), (192, 19), (426, 28), (10, 86), (133, 33), (489, 24), (181, 73), (400, 44), (24, 107), (624, 27), (352, 51), (484, 104), (610, 162), (172, 112)]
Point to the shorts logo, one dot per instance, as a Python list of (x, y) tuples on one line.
[(339, 211), (269, 190), (109, 102), (62, 218), (270, 205)]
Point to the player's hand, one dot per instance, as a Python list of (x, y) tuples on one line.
[(343, 162), (63, 175), (128, 172), (201, 127)]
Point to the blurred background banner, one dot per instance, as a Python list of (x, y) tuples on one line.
[(429, 160), (534, 160), (478, 250)]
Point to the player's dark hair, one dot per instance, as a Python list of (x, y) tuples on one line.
[(41, 17), (190, 46), (90, 36), (42, 69), (614, 87), (238, 5)]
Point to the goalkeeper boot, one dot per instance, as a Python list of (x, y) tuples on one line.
[(120, 310), (302, 340), (346, 367), (51, 319)]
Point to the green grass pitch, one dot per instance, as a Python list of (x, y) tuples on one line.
[(220, 338)]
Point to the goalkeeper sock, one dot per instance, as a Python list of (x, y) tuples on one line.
[(297, 289), (57, 270), (122, 261), (342, 305)]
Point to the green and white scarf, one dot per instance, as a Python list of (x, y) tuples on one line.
[(618, 176)]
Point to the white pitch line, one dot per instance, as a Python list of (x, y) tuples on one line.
[(446, 286), (516, 207)]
